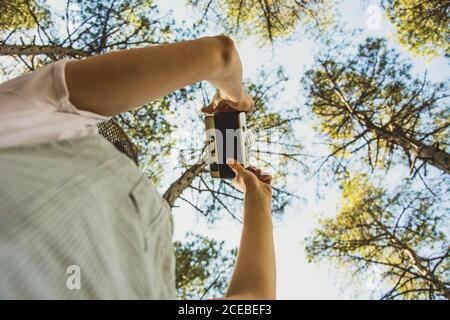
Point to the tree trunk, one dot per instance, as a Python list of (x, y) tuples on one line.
[(183, 182), (430, 154), (30, 50)]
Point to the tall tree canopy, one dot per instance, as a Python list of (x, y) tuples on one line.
[(371, 102), (421, 26), (203, 267), (82, 28), (400, 234), (368, 105), (267, 20), (21, 14)]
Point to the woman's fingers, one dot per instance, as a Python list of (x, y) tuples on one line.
[(220, 104), (262, 176), (252, 169), (258, 172), (241, 174), (207, 109), (245, 175), (266, 179), (247, 103), (225, 106), (235, 166)]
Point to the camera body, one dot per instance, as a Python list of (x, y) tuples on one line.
[(227, 136)]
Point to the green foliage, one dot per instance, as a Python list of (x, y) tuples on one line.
[(84, 27), (203, 267), (21, 14), (371, 102), (421, 26), (267, 20), (399, 233), (113, 25)]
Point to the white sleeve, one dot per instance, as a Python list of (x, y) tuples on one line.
[(46, 89), (35, 108)]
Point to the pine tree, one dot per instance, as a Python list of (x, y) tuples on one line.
[(421, 26), (370, 102), (400, 234), (267, 20)]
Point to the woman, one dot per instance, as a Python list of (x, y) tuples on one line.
[(77, 218)]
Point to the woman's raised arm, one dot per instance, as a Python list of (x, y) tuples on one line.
[(116, 82)]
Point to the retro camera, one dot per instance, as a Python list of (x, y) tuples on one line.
[(227, 136)]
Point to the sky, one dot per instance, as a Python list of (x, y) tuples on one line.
[(296, 278)]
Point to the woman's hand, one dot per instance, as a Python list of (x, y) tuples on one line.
[(223, 104), (251, 178), (254, 275)]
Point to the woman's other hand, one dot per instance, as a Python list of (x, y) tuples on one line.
[(221, 104), (251, 179)]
